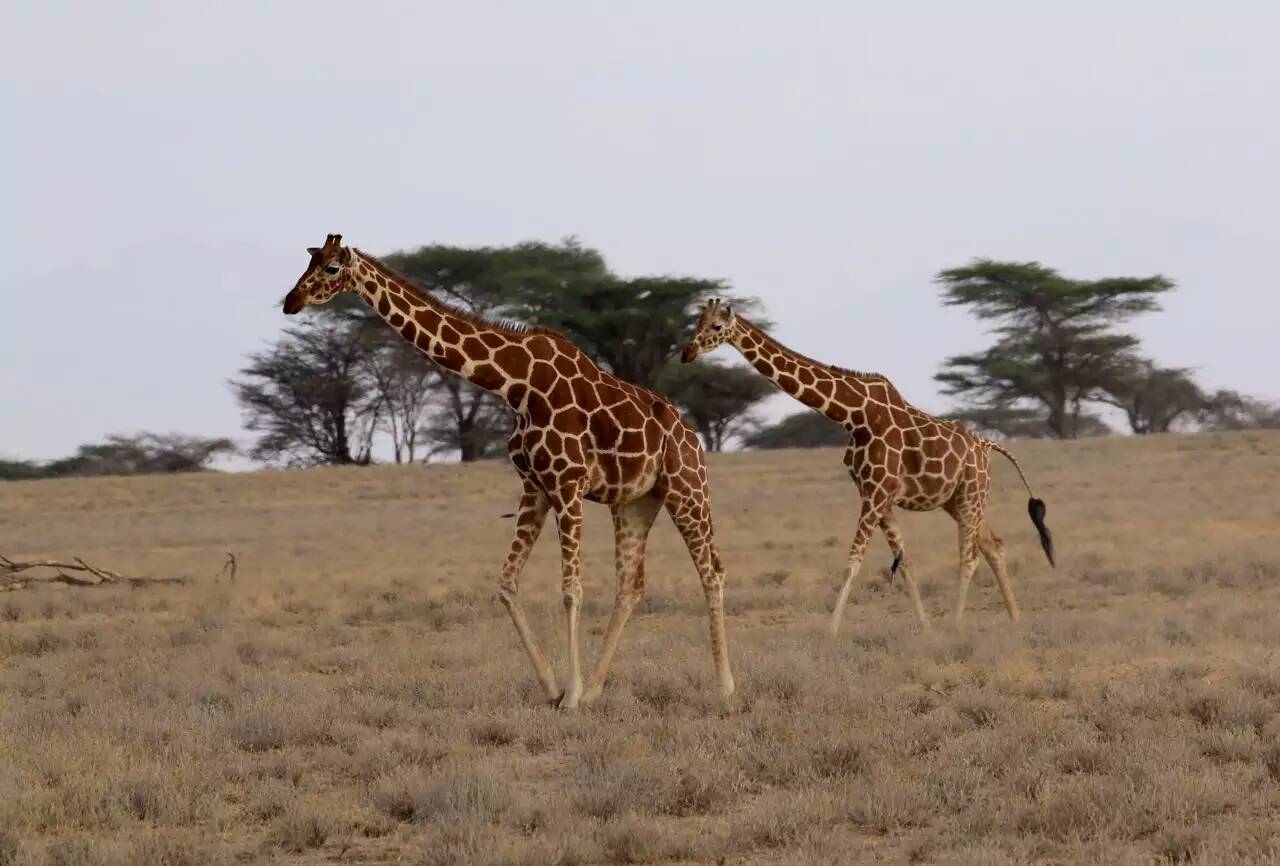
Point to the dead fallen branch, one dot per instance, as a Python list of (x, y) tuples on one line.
[(18, 575)]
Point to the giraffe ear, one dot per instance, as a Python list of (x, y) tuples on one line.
[(313, 251)]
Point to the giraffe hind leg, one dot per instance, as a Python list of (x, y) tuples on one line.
[(569, 521), (992, 549)]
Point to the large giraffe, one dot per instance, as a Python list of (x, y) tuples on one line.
[(580, 434), (898, 455)]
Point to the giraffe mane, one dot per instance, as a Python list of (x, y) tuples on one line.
[(506, 326)]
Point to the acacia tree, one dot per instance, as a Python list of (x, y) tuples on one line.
[(1057, 347), (310, 397), (1231, 410), (1154, 398), (716, 398)]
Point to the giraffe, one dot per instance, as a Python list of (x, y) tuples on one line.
[(580, 435), (898, 456)]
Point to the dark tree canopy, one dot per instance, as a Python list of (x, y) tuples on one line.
[(801, 430), (716, 398), (310, 396), (1056, 348)]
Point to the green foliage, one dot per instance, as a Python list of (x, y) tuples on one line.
[(801, 430), (715, 397), (1056, 348), (141, 454), (632, 327)]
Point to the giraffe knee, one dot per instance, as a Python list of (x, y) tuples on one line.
[(507, 595), (571, 592)]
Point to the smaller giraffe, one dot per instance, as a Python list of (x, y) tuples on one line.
[(898, 456)]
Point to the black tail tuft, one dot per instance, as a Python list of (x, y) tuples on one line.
[(1035, 507)]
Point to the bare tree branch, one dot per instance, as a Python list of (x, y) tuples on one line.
[(9, 569)]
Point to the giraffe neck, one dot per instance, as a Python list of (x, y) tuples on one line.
[(482, 353), (834, 392)]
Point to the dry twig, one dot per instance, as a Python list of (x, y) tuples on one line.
[(230, 566)]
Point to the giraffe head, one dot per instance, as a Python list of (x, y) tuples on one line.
[(330, 273), (715, 326)]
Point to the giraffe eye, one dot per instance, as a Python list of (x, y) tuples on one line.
[(331, 269), (717, 327)]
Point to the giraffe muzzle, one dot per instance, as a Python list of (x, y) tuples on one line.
[(292, 302)]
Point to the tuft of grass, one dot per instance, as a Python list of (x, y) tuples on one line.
[(449, 793), (300, 829)]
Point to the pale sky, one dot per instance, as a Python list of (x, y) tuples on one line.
[(163, 165)]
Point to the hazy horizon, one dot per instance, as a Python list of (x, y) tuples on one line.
[(167, 165)]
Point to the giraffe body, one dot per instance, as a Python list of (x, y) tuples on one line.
[(898, 456), (580, 434)]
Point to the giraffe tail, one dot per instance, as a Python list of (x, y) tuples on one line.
[(1035, 507)]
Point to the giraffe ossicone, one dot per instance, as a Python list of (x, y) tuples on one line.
[(580, 435), (898, 455)]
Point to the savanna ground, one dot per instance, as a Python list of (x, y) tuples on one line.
[(358, 695)]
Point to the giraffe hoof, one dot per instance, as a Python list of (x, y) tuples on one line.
[(591, 694), (566, 701), (555, 702)]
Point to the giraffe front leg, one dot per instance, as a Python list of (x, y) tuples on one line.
[(631, 524), (569, 521), (531, 516), (894, 536), (867, 523)]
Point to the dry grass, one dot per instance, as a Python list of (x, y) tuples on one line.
[(359, 696)]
